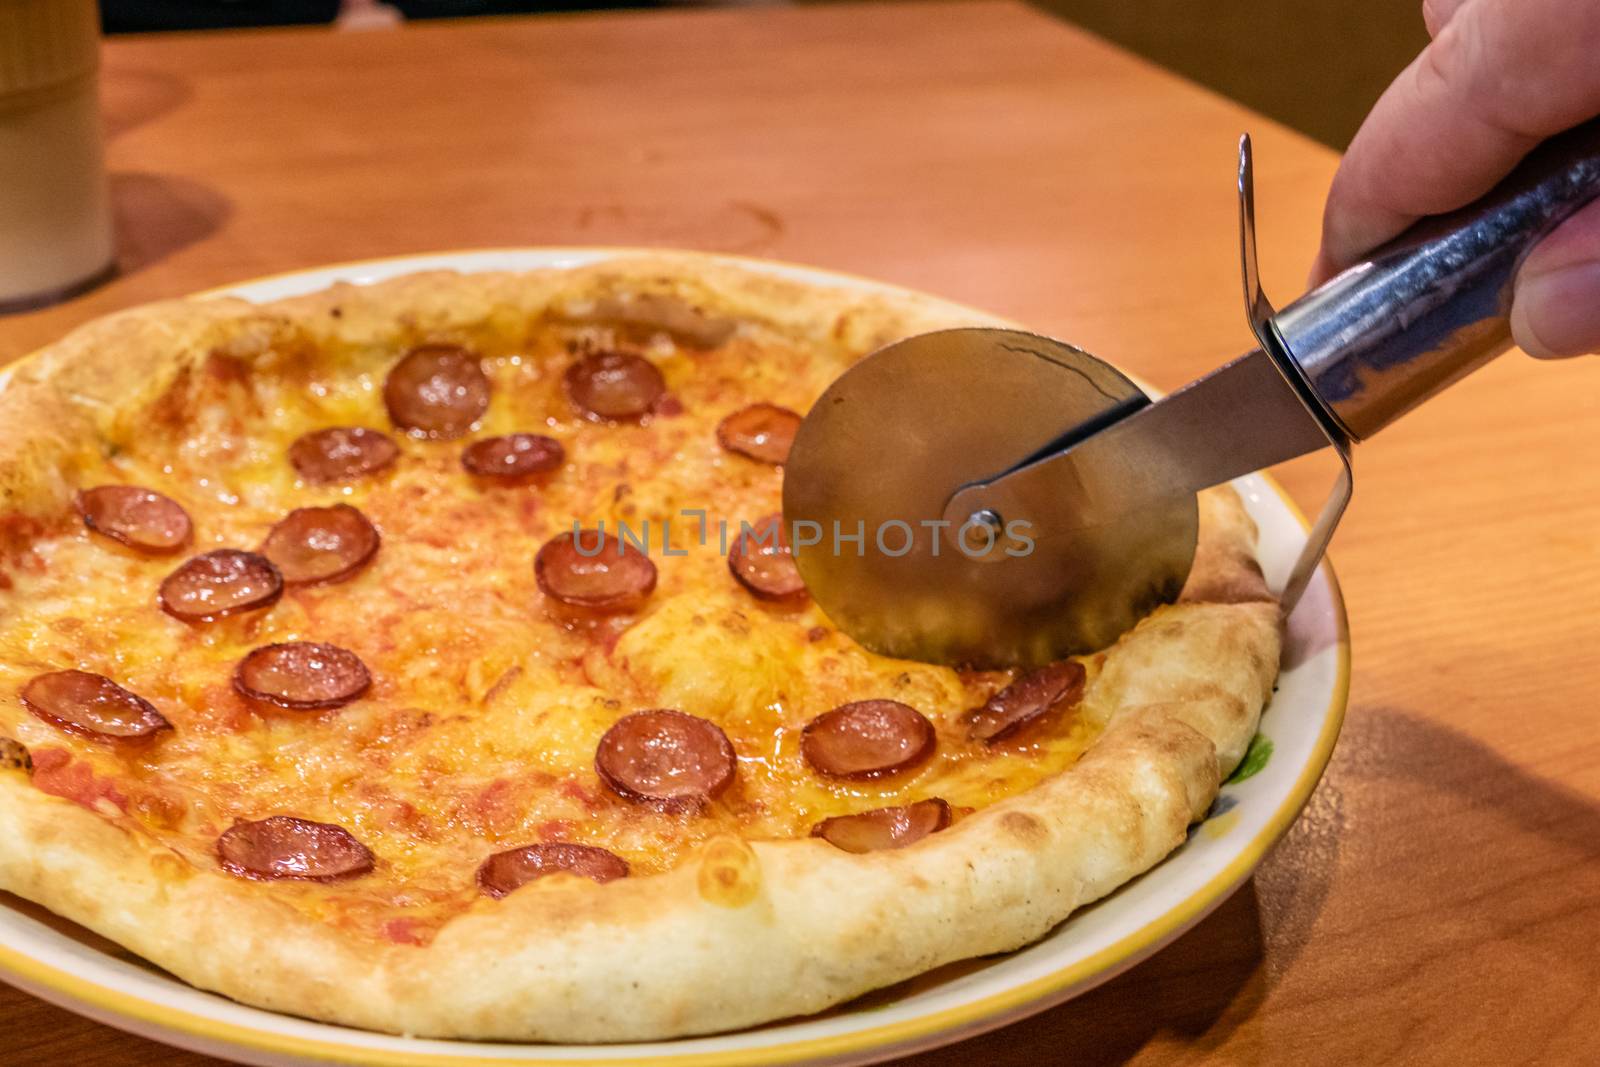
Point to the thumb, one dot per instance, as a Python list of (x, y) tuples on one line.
[(1555, 310)]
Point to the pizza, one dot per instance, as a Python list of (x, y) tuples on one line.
[(400, 656)]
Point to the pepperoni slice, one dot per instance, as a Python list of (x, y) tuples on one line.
[(139, 518), (320, 544), (884, 828), (614, 385), (342, 454), (760, 558), (761, 431), (437, 391), (513, 457), (302, 675), (286, 847), (594, 570), (219, 583), (867, 739), (505, 871), (664, 757), (1025, 699), (92, 705)]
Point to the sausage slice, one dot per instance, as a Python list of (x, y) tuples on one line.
[(764, 432), (506, 871), (763, 562), (342, 454), (615, 386), (885, 828), (219, 583), (137, 517), (867, 739), (514, 457), (677, 762), (321, 544), (437, 390), (594, 570), (92, 705), (1026, 699), (286, 847), (304, 675)]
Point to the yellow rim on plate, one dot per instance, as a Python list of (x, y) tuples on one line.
[(889, 1039)]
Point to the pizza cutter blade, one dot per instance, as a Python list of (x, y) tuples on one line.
[(994, 497), (877, 460)]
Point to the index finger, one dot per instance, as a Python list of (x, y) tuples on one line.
[(1501, 76)]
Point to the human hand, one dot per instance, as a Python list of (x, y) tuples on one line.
[(1499, 77)]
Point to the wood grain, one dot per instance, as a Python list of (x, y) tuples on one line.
[(1439, 901)]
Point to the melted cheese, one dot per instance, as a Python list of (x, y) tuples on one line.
[(480, 729)]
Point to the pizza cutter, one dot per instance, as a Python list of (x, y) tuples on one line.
[(994, 497)]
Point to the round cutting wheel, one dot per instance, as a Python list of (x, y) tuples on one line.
[(882, 451)]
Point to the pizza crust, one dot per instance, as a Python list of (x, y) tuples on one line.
[(741, 933)]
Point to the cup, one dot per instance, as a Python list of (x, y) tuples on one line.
[(55, 209)]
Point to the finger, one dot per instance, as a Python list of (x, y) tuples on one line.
[(1556, 309), (1436, 13), (1501, 76)]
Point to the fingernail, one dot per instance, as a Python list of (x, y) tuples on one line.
[(1557, 313)]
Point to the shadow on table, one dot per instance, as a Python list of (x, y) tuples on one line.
[(1396, 744), (157, 215), (1194, 991)]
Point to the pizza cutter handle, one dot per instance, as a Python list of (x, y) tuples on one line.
[(1433, 305)]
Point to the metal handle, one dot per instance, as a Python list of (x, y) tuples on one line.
[(1432, 305)]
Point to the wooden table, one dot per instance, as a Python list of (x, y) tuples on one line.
[(1439, 900)]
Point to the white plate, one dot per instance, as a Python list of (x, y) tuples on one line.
[(67, 966)]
